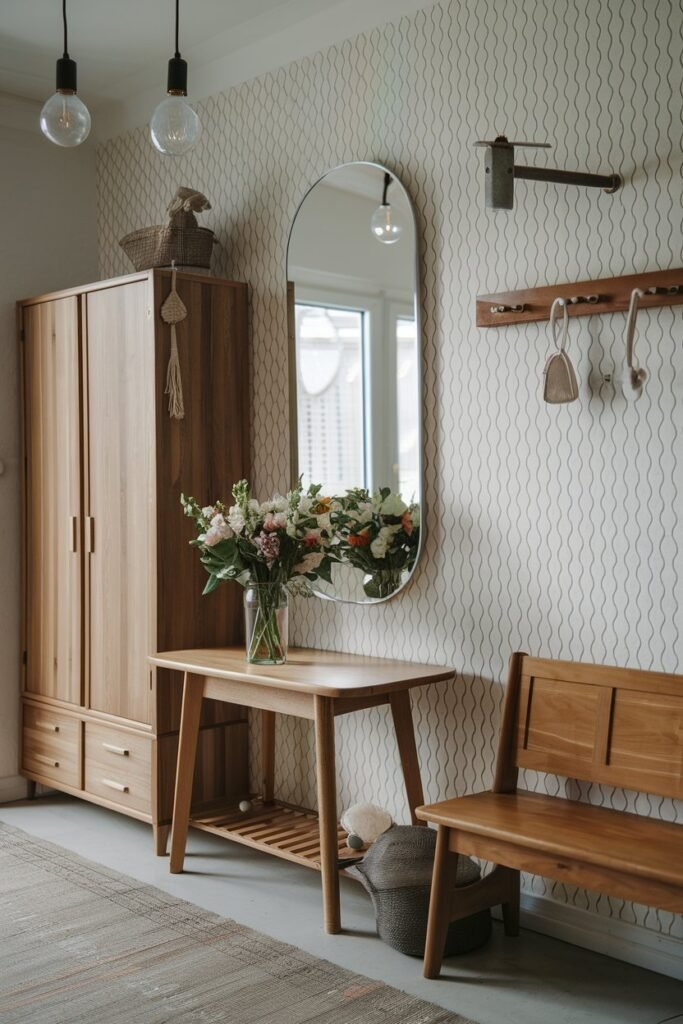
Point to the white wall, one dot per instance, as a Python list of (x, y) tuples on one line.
[(47, 226)]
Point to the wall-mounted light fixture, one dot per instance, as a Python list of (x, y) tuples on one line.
[(65, 119), (175, 127), (501, 172), (385, 225)]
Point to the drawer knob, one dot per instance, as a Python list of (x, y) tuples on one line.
[(122, 751), (49, 726), (115, 785)]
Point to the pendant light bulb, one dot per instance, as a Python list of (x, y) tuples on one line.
[(65, 119), (175, 127), (385, 225)]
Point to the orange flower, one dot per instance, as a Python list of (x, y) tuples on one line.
[(407, 522), (360, 539), (322, 507)]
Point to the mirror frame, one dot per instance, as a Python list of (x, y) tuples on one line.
[(292, 371)]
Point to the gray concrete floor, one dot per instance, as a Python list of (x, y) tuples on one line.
[(529, 980)]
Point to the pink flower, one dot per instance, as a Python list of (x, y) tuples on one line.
[(274, 521), (311, 538), (269, 546)]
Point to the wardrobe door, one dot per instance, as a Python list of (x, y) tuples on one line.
[(120, 499), (52, 500)]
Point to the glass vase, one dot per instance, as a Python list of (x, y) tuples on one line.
[(382, 583), (266, 620)]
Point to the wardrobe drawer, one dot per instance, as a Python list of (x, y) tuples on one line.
[(52, 745), (118, 766)]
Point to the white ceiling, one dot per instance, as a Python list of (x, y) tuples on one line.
[(122, 48), (124, 44)]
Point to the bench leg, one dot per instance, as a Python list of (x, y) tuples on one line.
[(443, 882), (511, 906)]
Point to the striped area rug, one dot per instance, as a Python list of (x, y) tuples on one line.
[(80, 944)]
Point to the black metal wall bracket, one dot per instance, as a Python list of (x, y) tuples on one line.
[(501, 171)]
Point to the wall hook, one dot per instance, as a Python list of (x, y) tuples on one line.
[(635, 375), (508, 309), (501, 171)]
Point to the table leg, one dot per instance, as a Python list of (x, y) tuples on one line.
[(268, 755), (193, 690), (405, 737), (327, 810)]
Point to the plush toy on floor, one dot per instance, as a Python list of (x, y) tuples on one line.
[(364, 823)]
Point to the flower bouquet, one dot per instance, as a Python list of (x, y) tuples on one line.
[(270, 548), (378, 533)]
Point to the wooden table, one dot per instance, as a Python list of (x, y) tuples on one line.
[(317, 685)]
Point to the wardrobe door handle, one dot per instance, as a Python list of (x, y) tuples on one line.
[(115, 785), (73, 542), (90, 534), (116, 750), (46, 760)]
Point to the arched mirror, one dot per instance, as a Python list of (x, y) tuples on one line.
[(355, 362)]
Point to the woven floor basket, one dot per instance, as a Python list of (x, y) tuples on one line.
[(158, 246), (397, 872)]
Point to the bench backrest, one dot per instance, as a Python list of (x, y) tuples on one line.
[(622, 727)]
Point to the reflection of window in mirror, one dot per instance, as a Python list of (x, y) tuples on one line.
[(358, 424)]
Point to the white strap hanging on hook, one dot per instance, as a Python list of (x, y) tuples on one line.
[(560, 384), (635, 376)]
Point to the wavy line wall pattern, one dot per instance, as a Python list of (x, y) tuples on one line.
[(557, 530)]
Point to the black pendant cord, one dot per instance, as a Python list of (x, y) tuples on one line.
[(177, 67), (66, 36), (387, 183), (66, 67)]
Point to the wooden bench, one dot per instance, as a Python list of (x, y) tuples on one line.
[(620, 727)]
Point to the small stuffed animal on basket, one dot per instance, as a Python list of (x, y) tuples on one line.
[(364, 823)]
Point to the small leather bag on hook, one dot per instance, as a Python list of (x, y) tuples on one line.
[(559, 378)]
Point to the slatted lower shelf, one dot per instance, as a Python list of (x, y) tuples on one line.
[(280, 829)]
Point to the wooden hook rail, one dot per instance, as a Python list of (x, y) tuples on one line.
[(584, 298)]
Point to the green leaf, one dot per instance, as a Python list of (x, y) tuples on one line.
[(211, 585)]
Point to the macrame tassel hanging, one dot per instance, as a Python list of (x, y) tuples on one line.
[(172, 312), (174, 382)]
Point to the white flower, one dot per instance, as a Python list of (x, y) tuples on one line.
[(309, 562), (393, 505), (219, 530), (236, 519), (208, 511), (382, 541), (324, 522), (305, 504), (276, 504)]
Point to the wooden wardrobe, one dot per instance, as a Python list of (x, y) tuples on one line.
[(109, 576)]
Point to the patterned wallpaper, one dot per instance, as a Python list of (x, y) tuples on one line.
[(557, 530)]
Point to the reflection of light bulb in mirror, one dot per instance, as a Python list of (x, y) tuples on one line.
[(385, 225), (65, 119)]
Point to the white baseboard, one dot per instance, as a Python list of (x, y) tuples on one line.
[(14, 787), (619, 939)]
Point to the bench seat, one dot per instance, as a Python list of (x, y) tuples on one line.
[(569, 830), (595, 723)]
